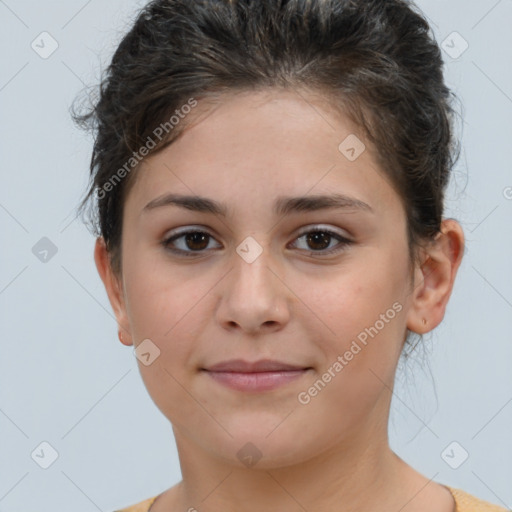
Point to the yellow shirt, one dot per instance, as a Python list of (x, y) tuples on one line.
[(464, 502)]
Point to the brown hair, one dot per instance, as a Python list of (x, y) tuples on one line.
[(374, 59)]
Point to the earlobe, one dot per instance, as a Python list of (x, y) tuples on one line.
[(113, 289), (434, 279), (422, 316)]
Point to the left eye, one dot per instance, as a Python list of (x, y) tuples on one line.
[(197, 241), (320, 238)]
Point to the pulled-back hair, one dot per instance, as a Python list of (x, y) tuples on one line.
[(374, 60)]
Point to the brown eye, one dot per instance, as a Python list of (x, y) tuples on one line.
[(189, 242), (318, 241), (196, 241)]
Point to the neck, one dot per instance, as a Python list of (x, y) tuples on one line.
[(358, 474)]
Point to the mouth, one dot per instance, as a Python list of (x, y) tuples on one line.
[(258, 376)]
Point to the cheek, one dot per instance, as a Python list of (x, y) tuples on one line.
[(167, 310), (359, 359), (161, 312), (362, 315), (161, 298)]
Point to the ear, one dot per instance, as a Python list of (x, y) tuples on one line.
[(113, 288), (433, 281)]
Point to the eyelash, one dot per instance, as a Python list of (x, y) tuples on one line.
[(343, 242)]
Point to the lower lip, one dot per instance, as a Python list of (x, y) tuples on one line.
[(257, 381)]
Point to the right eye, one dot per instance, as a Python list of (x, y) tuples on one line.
[(191, 241)]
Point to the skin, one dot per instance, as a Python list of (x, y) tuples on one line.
[(291, 304)]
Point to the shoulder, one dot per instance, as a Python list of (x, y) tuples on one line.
[(465, 502), (468, 503), (142, 506)]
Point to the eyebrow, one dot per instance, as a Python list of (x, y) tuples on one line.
[(282, 206)]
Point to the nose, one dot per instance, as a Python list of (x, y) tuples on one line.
[(254, 298)]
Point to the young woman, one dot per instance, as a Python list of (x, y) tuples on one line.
[(268, 181)]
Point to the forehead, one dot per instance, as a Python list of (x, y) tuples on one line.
[(267, 143)]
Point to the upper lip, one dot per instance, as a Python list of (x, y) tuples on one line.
[(265, 365)]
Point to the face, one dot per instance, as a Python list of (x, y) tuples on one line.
[(322, 291)]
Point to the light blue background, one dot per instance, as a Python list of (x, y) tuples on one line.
[(67, 380)]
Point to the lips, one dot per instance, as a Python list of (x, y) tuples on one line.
[(259, 376), (241, 366)]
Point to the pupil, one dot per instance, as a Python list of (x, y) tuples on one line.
[(195, 237), (317, 237)]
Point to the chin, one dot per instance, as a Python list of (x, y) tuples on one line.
[(262, 445)]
